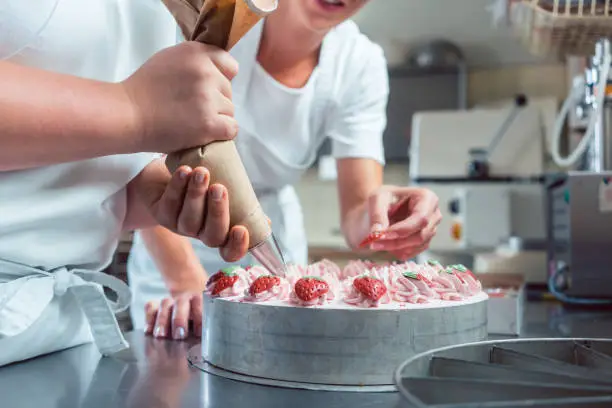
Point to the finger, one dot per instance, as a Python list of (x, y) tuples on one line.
[(224, 61), (171, 201), (416, 221), (378, 209), (162, 322), (180, 318), (393, 241), (237, 245), (225, 87), (197, 308), (150, 316), (225, 106), (398, 244), (224, 127), (191, 217), (217, 222)]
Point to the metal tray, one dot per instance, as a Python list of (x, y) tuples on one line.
[(568, 373)]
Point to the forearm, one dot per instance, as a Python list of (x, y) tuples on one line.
[(49, 118), (176, 260), (358, 179)]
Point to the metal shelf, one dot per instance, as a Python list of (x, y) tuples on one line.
[(511, 373)]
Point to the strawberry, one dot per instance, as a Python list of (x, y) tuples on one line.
[(264, 283), (371, 238), (372, 288), (225, 278), (310, 287)]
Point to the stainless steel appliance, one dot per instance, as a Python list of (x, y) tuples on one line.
[(580, 202), (579, 209)]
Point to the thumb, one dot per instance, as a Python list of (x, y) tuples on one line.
[(378, 209)]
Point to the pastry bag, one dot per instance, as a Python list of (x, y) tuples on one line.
[(223, 23)]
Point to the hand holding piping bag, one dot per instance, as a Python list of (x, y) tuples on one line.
[(403, 220)]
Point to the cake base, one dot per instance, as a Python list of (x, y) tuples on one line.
[(332, 346)]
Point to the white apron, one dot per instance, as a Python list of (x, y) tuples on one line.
[(60, 224)]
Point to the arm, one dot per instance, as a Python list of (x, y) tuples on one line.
[(358, 180), (176, 260), (356, 128), (49, 118)]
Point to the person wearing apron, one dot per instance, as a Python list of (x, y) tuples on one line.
[(78, 80), (285, 114)]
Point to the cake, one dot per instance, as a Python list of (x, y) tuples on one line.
[(322, 324)]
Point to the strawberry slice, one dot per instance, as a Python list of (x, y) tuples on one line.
[(371, 238), (263, 284), (225, 278), (418, 276), (310, 287), (370, 287), (463, 269)]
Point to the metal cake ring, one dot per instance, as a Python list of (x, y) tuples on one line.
[(196, 360)]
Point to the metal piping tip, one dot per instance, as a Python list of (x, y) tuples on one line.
[(270, 256)]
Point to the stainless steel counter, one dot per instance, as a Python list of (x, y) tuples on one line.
[(155, 374)]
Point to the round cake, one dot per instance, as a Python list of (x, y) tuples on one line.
[(351, 326)]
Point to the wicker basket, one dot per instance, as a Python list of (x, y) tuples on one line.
[(561, 27)]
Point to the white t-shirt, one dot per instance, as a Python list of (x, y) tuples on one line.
[(71, 214), (60, 224), (281, 131)]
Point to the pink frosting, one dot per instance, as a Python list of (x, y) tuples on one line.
[(406, 283), (320, 301), (277, 292), (254, 272), (354, 297), (236, 290)]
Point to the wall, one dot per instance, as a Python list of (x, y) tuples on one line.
[(499, 65), (399, 24)]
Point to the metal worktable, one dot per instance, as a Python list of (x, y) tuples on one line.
[(155, 374)]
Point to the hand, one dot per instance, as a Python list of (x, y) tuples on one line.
[(185, 204), (408, 218), (182, 98), (170, 318)]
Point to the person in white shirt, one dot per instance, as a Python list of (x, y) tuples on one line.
[(78, 107), (306, 75)]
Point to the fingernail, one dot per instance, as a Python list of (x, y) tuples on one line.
[(391, 235), (148, 329), (199, 178), (159, 332), (377, 227), (238, 235), (216, 193), (179, 334), (183, 174), (377, 247)]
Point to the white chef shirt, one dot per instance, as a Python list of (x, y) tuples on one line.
[(281, 130), (67, 216)]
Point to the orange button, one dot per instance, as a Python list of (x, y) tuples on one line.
[(456, 231)]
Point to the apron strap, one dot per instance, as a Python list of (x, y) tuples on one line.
[(87, 287)]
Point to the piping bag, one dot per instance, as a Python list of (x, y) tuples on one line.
[(223, 23)]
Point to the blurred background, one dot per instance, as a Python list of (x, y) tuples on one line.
[(476, 88)]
